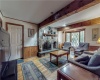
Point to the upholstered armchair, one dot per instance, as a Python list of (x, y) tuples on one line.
[(66, 46), (81, 48)]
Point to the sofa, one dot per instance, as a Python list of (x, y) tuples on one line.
[(84, 61)]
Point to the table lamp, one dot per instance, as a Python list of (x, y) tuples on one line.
[(98, 41)]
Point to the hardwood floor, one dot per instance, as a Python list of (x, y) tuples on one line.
[(41, 67)]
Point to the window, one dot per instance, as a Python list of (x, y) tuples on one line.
[(68, 37), (75, 37), (82, 36)]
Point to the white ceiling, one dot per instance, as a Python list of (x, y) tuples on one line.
[(87, 14), (31, 10)]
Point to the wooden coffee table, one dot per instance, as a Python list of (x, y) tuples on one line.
[(58, 54), (73, 72)]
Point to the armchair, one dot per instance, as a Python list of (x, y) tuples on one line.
[(81, 48), (66, 46)]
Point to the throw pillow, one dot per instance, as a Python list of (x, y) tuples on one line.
[(95, 60), (82, 58), (84, 62)]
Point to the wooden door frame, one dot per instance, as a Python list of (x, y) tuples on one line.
[(9, 23), (73, 32)]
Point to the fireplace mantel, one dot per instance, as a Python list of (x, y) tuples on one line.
[(45, 34)]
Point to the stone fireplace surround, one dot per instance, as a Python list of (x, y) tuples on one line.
[(49, 45), (46, 42)]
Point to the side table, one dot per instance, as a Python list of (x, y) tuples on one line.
[(73, 72)]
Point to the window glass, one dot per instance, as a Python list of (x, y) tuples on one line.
[(81, 36), (75, 38)]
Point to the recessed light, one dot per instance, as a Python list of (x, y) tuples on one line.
[(64, 25)]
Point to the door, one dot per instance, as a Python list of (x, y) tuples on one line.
[(15, 41)]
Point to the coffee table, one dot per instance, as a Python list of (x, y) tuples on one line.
[(58, 54), (73, 72)]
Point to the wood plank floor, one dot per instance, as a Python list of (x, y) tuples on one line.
[(41, 67)]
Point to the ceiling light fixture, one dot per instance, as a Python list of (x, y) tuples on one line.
[(64, 25)]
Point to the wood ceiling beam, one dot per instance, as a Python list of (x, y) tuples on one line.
[(86, 23), (72, 8), (82, 24)]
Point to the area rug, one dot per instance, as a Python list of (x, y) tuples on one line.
[(31, 72), (52, 65), (20, 61)]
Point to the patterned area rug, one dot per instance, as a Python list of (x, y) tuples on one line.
[(31, 72), (52, 65)]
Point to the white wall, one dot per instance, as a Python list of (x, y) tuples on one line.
[(60, 39), (88, 34), (28, 41)]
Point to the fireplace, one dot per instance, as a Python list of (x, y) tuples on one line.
[(47, 46)]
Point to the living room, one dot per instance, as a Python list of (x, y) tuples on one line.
[(44, 42)]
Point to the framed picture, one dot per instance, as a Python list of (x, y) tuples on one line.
[(30, 32), (95, 34)]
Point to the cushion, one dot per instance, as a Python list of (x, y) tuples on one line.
[(82, 58), (84, 62), (82, 45), (95, 60), (78, 49)]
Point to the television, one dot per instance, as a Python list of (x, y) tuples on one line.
[(4, 50)]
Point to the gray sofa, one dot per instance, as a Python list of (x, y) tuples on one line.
[(94, 69), (66, 46)]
